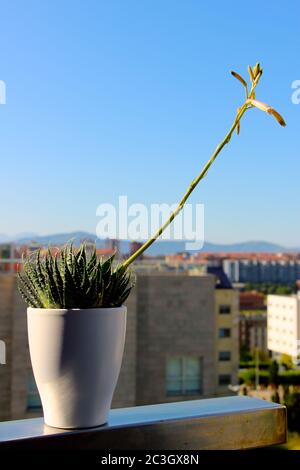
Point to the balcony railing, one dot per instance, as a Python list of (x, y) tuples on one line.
[(217, 423)]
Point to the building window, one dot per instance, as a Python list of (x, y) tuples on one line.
[(224, 379), (33, 397), (184, 376), (224, 309), (224, 333), (224, 355)]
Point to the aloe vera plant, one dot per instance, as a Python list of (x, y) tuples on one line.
[(71, 280)]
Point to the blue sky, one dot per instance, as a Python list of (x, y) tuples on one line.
[(109, 98)]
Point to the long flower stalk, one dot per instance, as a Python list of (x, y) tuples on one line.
[(250, 102)]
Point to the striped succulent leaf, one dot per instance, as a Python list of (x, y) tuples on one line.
[(73, 278)]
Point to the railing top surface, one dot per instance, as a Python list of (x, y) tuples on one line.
[(236, 414)]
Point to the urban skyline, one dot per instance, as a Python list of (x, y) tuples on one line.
[(247, 245)]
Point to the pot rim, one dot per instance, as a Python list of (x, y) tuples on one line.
[(74, 310)]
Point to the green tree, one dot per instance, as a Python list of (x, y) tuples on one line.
[(293, 411), (286, 360), (275, 397), (273, 373), (286, 392), (245, 354)]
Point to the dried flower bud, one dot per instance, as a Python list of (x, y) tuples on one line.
[(260, 105), (256, 69), (278, 117), (238, 77), (250, 73), (267, 109), (256, 80)]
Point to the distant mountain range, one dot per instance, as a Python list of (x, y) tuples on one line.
[(161, 247), (23, 235)]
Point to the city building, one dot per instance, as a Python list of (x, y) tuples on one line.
[(226, 331), (253, 332), (175, 337), (181, 343), (112, 244), (11, 255), (271, 268), (284, 325), (240, 268), (135, 246), (252, 301), (253, 322)]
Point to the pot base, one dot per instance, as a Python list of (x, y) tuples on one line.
[(69, 428)]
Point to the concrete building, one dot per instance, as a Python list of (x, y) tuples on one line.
[(15, 373), (175, 337), (181, 343), (253, 322), (226, 331), (284, 325), (256, 270), (252, 301), (253, 332)]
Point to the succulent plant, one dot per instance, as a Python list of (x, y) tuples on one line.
[(71, 278)]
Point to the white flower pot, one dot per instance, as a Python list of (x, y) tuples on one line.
[(76, 357)]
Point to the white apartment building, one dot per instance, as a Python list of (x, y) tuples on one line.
[(283, 322)]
